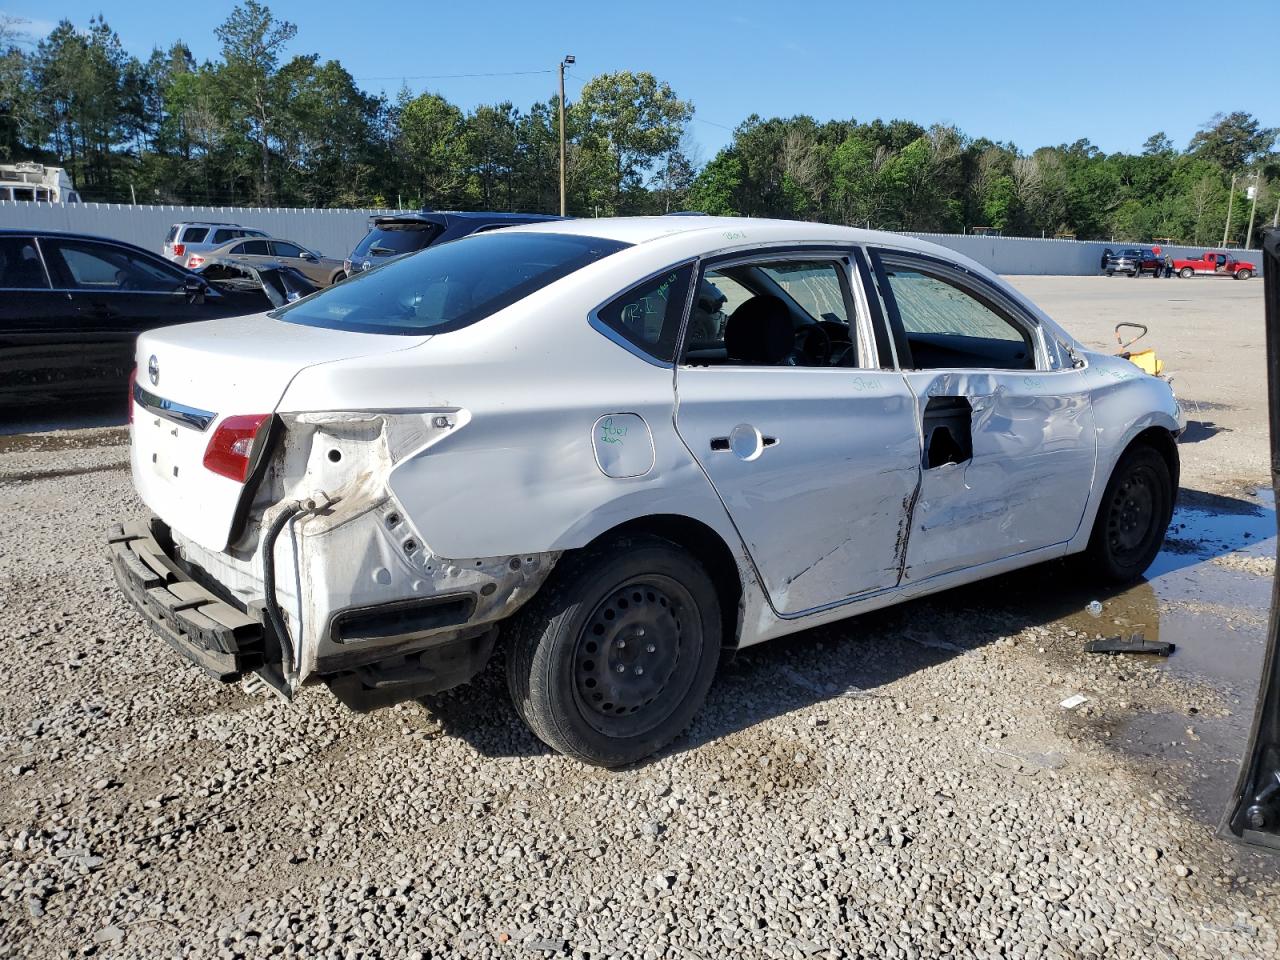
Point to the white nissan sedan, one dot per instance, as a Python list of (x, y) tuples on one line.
[(613, 449)]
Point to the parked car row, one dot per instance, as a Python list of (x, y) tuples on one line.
[(71, 305)]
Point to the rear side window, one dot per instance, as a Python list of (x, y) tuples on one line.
[(648, 316), (449, 286), (195, 234), (254, 248), (20, 266)]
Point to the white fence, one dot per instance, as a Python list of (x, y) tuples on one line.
[(330, 232), (1026, 255), (335, 232)]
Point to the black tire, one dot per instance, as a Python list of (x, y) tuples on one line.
[(568, 642), (1111, 273), (338, 277), (1244, 274), (1133, 516), (1186, 273), (1137, 272)]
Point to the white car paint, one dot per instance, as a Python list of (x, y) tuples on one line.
[(472, 460)]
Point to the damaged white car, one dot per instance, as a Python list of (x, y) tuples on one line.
[(612, 449)]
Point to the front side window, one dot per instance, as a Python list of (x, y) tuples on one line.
[(948, 324), (99, 267), (20, 266), (281, 249), (783, 312), (449, 286)]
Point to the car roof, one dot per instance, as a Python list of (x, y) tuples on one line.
[(68, 235), (727, 231), (446, 217)]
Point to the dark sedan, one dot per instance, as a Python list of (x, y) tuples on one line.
[(71, 307)]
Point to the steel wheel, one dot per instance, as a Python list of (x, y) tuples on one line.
[(627, 652), (1133, 515)]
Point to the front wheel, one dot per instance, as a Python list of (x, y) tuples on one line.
[(1244, 274), (1132, 519), (615, 654)]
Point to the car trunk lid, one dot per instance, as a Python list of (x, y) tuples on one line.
[(191, 379)]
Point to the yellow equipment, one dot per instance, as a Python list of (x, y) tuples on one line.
[(1144, 360)]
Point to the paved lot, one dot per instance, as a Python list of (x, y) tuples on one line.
[(904, 785)]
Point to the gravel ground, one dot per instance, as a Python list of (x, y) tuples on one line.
[(902, 785)]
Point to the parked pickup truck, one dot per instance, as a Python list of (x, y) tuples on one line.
[(1214, 264)]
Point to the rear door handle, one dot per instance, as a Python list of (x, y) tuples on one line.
[(725, 444)]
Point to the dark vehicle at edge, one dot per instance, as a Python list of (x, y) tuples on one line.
[(71, 306), (1253, 816), (1134, 261), (398, 234)]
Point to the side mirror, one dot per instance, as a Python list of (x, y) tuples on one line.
[(310, 257), (195, 289)]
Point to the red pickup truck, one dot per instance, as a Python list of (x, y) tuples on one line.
[(1214, 264)]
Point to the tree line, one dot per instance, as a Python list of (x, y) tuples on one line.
[(256, 126)]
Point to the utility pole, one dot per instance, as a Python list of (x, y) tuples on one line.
[(563, 63), (1230, 196), (1257, 189)]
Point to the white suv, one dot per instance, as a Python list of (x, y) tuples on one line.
[(184, 239)]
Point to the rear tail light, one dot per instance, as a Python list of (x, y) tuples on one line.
[(133, 379), (179, 249), (234, 445), (194, 261)]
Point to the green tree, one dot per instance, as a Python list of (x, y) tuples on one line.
[(252, 41), (1232, 141), (627, 122), (433, 149)]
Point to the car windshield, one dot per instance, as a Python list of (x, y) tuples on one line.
[(451, 285), (392, 238)]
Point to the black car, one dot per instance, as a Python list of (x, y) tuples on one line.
[(1133, 261), (71, 306), (397, 234)]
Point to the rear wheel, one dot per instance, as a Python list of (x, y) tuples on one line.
[(1186, 273), (614, 656), (1134, 514)]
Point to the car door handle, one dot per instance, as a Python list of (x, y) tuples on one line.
[(722, 444)]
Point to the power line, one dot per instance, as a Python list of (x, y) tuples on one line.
[(696, 118)]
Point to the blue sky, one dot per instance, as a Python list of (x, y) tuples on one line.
[(1033, 74)]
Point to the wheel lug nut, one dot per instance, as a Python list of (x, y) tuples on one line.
[(650, 648), (621, 668), (639, 670), (621, 643)]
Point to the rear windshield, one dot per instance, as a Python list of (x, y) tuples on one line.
[(389, 239), (451, 285)]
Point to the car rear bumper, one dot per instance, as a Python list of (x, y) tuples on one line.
[(222, 640)]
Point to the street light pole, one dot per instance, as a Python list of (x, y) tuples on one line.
[(1257, 189), (563, 63), (1230, 196)]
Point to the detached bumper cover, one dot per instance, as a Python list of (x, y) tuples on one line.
[(222, 640)]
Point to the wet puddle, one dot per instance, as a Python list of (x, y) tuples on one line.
[(1208, 592)]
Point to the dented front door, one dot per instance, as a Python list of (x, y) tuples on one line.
[(1023, 480)]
